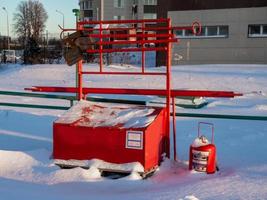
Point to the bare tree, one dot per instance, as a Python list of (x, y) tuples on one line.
[(29, 25), (30, 20)]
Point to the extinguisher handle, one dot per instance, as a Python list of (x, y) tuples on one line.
[(212, 129)]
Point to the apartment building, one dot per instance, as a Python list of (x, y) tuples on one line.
[(118, 9), (232, 31)]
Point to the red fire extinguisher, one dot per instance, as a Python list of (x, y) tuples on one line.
[(202, 155)]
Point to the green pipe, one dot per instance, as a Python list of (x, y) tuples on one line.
[(220, 116), (104, 100), (35, 106), (72, 98), (49, 96), (96, 99)]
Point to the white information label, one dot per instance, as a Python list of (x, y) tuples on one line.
[(134, 140)]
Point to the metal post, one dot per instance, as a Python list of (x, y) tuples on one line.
[(101, 10), (143, 53), (79, 74), (80, 92), (100, 33), (8, 44), (79, 64), (174, 128), (97, 14), (63, 19), (168, 89), (101, 48), (63, 25)]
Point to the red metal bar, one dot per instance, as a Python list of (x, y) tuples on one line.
[(101, 48), (168, 91), (125, 73), (143, 45), (128, 50), (79, 74), (152, 92), (174, 128), (181, 28), (124, 21), (134, 42), (138, 28), (131, 35), (80, 86)]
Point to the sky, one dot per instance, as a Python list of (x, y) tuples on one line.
[(54, 18)]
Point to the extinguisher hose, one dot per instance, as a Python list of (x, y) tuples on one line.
[(217, 166)]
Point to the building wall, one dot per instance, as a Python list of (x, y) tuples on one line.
[(110, 10), (237, 48), (179, 5)]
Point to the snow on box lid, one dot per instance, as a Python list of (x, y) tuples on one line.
[(87, 114)]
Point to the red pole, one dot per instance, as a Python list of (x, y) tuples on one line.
[(101, 47), (143, 52), (174, 128), (168, 89), (80, 74)]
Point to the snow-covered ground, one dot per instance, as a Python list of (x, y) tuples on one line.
[(27, 172)]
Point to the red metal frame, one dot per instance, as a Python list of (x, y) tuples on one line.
[(161, 34), (157, 31), (154, 26)]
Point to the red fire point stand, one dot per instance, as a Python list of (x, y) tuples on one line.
[(74, 140)]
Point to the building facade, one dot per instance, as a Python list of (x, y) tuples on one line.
[(118, 9), (232, 31)]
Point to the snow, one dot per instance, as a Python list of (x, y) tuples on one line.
[(90, 114), (200, 141), (36, 167), (27, 172), (100, 164)]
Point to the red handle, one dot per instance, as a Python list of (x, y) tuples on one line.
[(212, 129), (196, 25)]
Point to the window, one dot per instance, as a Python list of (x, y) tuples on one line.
[(264, 30), (212, 30), (87, 4), (82, 5), (118, 17), (150, 2), (257, 30), (91, 4), (223, 30), (88, 13), (206, 32), (119, 3), (150, 16)]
